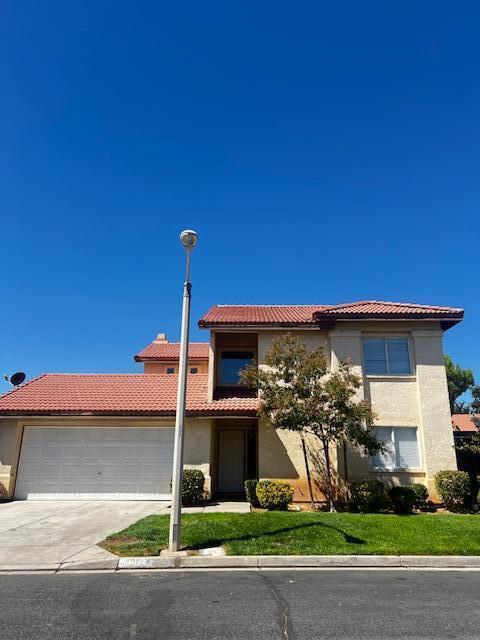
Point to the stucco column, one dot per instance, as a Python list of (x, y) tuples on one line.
[(434, 407), (346, 345), (211, 367), (198, 448)]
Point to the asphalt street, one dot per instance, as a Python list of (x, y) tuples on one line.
[(284, 605)]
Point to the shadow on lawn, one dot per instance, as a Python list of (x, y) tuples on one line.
[(217, 542)]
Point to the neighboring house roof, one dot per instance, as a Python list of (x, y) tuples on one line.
[(164, 351), (462, 422), (121, 394), (312, 315)]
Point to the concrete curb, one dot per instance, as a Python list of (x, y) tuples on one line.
[(253, 562)]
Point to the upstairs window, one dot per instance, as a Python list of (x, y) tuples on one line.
[(401, 450), (231, 363), (170, 370), (194, 370), (387, 356)]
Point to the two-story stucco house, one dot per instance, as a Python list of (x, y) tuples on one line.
[(110, 436)]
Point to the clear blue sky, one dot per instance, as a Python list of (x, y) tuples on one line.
[(324, 152)]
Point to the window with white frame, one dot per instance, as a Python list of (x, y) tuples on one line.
[(387, 356), (401, 448)]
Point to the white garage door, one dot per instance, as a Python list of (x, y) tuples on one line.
[(95, 463)]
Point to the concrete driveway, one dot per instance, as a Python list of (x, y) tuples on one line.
[(46, 533)]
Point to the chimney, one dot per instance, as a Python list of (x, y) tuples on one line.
[(161, 337)]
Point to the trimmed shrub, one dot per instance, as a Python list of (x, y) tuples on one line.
[(3, 491), (193, 487), (421, 495), (251, 492), (455, 489), (367, 495), (403, 498), (274, 494)]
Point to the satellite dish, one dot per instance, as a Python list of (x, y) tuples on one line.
[(15, 379)]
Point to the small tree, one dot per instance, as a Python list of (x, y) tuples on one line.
[(459, 380), (298, 393)]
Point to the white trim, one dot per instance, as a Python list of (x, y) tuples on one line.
[(391, 376)]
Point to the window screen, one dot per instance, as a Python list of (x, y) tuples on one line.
[(401, 448), (386, 356)]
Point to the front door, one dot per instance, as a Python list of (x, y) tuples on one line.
[(231, 461)]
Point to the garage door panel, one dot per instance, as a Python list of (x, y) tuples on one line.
[(93, 436), (95, 463), (133, 436), (59, 435), (51, 452), (110, 472), (153, 452), (33, 435), (71, 471), (73, 452), (112, 452), (132, 452), (156, 436), (129, 471), (33, 452), (31, 471)]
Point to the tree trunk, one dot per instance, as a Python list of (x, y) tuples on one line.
[(345, 461), (307, 467), (326, 450)]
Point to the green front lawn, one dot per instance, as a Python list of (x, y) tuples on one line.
[(289, 533)]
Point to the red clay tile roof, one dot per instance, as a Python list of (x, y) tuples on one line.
[(375, 308), (171, 351), (276, 315), (310, 315), (120, 394), (463, 422)]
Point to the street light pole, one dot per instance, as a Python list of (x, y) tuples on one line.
[(189, 240)]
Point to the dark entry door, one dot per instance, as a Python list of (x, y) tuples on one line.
[(231, 460)]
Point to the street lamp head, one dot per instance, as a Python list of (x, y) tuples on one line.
[(189, 238)]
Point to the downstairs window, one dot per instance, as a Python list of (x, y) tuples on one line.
[(401, 448)]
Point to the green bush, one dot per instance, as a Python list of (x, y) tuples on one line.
[(251, 492), (193, 492), (455, 489), (367, 495), (421, 495), (274, 494), (403, 498)]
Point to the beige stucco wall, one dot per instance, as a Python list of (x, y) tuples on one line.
[(280, 453), (280, 457), (434, 408), (197, 452), (313, 340), (419, 400), (198, 448), (8, 432), (161, 367), (211, 367)]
